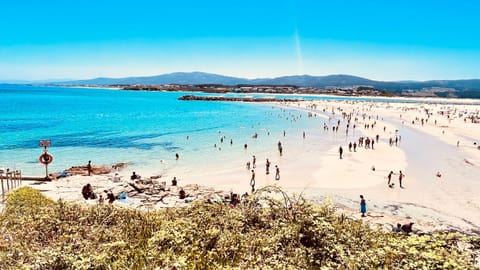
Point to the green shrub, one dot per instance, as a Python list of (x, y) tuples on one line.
[(271, 230)]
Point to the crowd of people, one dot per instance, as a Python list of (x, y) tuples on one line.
[(352, 120)]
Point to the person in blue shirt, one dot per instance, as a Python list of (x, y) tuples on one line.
[(363, 206)]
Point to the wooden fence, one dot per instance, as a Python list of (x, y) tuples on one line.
[(10, 180)]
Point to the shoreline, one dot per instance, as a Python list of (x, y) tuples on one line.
[(431, 201)]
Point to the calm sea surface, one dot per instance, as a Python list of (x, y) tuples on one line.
[(109, 126), (145, 128)]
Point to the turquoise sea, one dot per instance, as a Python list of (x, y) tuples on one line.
[(109, 126), (145, 128)]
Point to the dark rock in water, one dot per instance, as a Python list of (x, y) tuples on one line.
[(236, 99), (83, 170)]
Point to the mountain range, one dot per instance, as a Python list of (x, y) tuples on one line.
[(459, 88)]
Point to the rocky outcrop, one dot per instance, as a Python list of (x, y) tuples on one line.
[(83, 170), (237, 99)]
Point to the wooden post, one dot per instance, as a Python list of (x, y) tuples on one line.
[(11, 180), (3, 189), (8, 184), (18, 175)]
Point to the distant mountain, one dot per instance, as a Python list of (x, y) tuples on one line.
[(316, 81), (208, 78), (451, 88), (31, 81), (170, 78)]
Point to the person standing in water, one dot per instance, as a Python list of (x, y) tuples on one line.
[(363, 206), (253, 162)]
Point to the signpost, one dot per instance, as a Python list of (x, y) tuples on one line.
[(45, 158)]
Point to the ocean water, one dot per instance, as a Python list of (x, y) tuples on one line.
[(145, 128)]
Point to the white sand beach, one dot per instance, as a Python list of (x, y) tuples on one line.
[(312, 166)]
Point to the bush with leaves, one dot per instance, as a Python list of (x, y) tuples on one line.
[(269, 230)]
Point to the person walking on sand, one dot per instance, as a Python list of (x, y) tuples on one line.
[(277, 173), (252, 181), (280, 148), (253, 162), (340, 151), (390, 179), (400, 178), (363, 206)]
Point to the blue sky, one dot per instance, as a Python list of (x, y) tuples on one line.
[(383, 40)]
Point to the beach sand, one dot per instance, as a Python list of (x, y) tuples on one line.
[(312, 166)]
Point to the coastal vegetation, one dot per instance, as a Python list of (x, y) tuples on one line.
[(268, 230)]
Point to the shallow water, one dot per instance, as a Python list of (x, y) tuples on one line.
[(109, 126)]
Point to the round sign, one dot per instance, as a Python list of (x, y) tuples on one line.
[(46, 158)]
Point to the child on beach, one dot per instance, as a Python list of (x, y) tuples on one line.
[(397, 229), (363, 206), (110, 196)]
